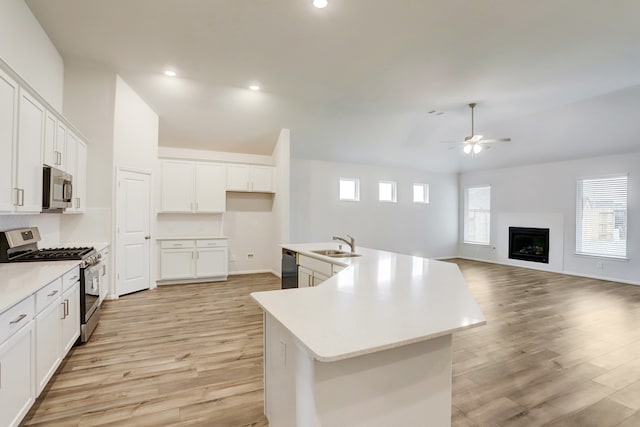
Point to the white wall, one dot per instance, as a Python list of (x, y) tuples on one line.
[(89, 103), (281, 202), (546, 193), (28, 50), (428, 230)]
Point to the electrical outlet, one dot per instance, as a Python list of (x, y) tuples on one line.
[(599, 265), (250, 256)]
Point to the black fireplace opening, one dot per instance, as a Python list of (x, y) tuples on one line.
[(529, 244)]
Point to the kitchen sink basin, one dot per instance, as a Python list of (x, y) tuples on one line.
[(334, 253)]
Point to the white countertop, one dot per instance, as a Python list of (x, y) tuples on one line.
[(383, 300), (192, 238), (18, 280)]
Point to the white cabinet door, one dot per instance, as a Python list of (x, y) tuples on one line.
[(8, 134), (177, 263), (71, 162), (262, 179), (318, 278), (305, 277), (31, 119), (105, 276), (211, 262), (177, 191), (80, 180), (238, 178), (210, 191), (47, 344), (70, 308), (61, 145), (51, 157), (16, 376)]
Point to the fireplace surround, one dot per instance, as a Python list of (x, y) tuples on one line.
[(529, 244)]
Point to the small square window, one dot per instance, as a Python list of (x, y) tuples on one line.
[(350, 189), (387, 191), (420, 193)]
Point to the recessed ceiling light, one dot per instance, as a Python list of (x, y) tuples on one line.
[(254, 87), (320, 4), (170, 73)]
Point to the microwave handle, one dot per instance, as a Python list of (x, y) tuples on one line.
[(67, 196)]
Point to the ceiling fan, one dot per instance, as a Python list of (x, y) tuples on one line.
[(473, 144)]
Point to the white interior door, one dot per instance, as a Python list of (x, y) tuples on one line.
[(133, 229)]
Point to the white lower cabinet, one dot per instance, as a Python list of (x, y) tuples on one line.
[(70, 324), (194, 259), (305, 277), (48, 345), (312, 271), (17, 393)]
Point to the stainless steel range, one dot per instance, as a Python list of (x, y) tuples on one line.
[(21, 245)]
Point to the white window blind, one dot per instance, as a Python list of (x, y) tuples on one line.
[(477, 215), (601, 216)]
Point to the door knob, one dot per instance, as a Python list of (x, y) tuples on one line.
[(147, 237)]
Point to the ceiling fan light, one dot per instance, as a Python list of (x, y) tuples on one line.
[(477, 148), (467, 148)]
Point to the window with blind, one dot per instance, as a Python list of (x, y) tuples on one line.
[(601, 216), (477, 215)]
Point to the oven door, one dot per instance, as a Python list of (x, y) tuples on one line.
[(90, 291)]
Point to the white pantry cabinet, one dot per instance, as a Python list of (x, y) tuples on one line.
[(76, 162), (31, 121), (17, 393), (8, 135), (194, 259), (192, 187), (55, 142), (250, 178)]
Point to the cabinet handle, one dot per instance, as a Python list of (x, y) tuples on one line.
[(104, 270), (18, 319), (74, 278), (58, 158), (19, 196), (78, 202), (52, 293), (64, 311), (22, 197), (66, 308)]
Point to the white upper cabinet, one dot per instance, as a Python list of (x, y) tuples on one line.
[(55, 140), (76, 162), (31, 121), (250, 178), (210, 187), (192, 187), (8, 121)]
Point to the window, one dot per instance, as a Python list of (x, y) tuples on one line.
[(387, 191), (350, 189), (601, 216), (477, 215), (420, 193)]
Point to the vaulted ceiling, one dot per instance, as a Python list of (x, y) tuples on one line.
[(355, 81)]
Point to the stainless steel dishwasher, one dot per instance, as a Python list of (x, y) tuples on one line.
[(289, 269)]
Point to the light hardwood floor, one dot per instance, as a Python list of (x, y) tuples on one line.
[(557, 350)]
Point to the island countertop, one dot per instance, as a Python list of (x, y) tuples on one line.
[(383, 300)]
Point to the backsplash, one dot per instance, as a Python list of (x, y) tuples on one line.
[(48, 224)]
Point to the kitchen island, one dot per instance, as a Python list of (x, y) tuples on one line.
[(370, 346)]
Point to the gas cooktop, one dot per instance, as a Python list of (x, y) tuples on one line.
[(55, 254)]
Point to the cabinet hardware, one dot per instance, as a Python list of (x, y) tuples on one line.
[(66, 308), (64, 314), (17, 319), (52, 293), (104, 270), (74, 278), (22, 197), (147, 237), (19, 196)]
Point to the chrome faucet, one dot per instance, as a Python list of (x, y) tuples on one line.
[(351, 242)]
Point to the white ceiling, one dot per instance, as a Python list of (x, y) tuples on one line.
[(354, 81)]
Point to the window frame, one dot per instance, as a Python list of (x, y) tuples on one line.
[(425, 193), (394, 192), (356, 182), (579, 210), (465, 216)]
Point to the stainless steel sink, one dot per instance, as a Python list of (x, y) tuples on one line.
[(334, 253)]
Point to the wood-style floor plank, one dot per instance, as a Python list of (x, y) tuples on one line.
[(557, 351)]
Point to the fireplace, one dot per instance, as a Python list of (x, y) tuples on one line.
[(529, 244)]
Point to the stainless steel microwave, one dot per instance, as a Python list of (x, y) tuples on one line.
[(57, 190)]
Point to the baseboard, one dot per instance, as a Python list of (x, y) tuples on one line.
[(569, 273), (236, 273), (440, 258), (276, 273), (189, 281)]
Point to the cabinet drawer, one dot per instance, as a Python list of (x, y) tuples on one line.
[(70, 278), (321, 267), (222, 243), (174, 244), (48, 294), (16, 317)]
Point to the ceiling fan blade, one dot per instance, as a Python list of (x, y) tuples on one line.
[(496, 140), (475, 138), (452, 142)]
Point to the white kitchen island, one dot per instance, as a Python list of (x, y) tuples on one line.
[(370, 346)]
